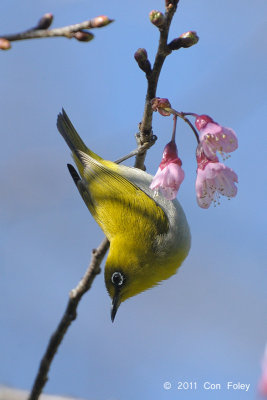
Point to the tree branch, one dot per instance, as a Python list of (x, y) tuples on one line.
[(139, 150), (145, 130), (71, 31), (69, 316)]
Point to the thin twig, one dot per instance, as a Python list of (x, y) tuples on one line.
[(183, 116), (192, 127), (174, 127), (69, 316), (137, 151), (65, 31), (145, 131)]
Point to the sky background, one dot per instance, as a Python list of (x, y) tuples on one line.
[(208, 322)]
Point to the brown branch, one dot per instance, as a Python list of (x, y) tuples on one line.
[(70, 31), (145, 130), (69, 316), (139, 150)]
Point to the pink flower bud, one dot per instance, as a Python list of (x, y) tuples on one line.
[(4, 44), (169, 175), (202, 121), (83, 36), (157, 18), (101, 20), (161, 105)]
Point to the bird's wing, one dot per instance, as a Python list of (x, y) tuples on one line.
[(118, 205)]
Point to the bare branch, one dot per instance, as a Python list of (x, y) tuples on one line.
[(145, 132), (69, 316), (183, 116), (139, 150), (70, 31)]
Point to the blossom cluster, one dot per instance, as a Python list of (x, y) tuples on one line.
[(213, 177)]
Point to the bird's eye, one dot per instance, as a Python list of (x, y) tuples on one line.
[(117, 278)]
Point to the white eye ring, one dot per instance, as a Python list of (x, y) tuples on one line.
[(117, 278)]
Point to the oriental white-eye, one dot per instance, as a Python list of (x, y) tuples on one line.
[(149, 235)]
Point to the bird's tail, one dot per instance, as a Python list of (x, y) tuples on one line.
[(72, 137)]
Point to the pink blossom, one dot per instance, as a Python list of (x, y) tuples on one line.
[(213, 179), (263, 379), (215, 137), (169, 175)]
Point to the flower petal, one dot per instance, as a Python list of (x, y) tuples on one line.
[(215, 137), (215, 177), (229, 138), (168, 180)]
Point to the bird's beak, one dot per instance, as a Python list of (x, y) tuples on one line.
[(115, 305)]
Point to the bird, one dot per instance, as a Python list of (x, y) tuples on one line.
[(149, 235)]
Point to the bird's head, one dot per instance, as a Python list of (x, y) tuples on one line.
[(127, 272), (131, 270)]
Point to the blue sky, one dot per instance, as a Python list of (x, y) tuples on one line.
[(207, 323)]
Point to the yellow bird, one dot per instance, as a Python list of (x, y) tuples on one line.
[(149, 235)]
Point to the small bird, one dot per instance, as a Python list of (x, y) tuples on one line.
[(149, 235)]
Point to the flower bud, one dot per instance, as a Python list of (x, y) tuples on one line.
[(101, 20), (161, 105), (141, 58), (168, 4), (83, 36), (140, 55), (4, 44), (202, 121), (157, 18), (185, 40), (189, 38), (45, 21)]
